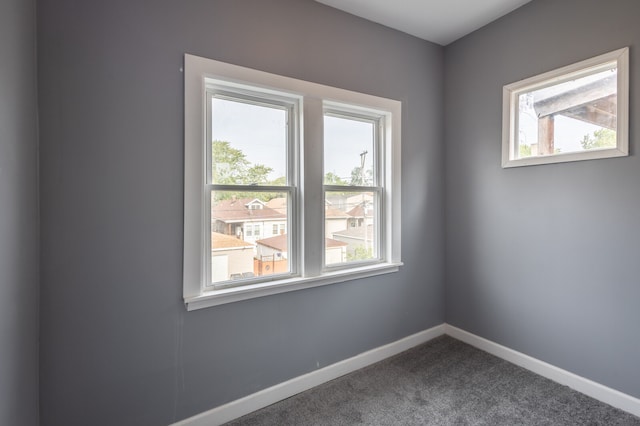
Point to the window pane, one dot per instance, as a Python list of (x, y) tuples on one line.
[(350, 227), (246, 241), (248, 143), (348, 151), (573, 116)]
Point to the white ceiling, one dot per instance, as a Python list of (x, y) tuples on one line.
[(439, 21)]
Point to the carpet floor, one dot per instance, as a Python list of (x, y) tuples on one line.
[(442, 382)]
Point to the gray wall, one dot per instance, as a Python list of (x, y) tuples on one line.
[(543, 259), (18, 215), (117, 345)]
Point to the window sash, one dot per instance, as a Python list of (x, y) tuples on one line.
[(378, 122), (290, 105), (381, 254), (292, 251), (377, 186)]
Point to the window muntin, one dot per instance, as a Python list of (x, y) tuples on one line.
[(579, 112), (299, 195)]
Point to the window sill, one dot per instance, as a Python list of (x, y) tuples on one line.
[(236, 294)]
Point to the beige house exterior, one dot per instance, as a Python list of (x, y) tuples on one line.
[(231, 258), (274, 249), (248, 219)]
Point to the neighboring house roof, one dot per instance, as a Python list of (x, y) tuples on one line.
[(279, 242), (238, 211), (330, 243), (359, 211), (359, 198), (331, 213), (335, 199), (279, 204), (357, 232), (222, 241)]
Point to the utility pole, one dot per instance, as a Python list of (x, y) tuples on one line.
[(363, 156)]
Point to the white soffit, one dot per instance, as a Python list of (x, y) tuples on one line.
[(439, 21)]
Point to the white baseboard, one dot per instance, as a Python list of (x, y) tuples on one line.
[(588, 387), (266, 397)]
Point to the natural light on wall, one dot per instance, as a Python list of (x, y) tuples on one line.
[(579, 112)]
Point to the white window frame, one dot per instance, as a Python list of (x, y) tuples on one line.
[(306, 210), (510, 108)]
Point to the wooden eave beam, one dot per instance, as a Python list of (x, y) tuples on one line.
[(584, 95)]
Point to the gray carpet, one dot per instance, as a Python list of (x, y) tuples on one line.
[(442, 382)]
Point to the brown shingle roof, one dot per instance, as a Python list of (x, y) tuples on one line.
[(357, 211), (356, 232), (279, 204), (330, 242), (238, 211), (223, 241), (279, 242), (331, 213)]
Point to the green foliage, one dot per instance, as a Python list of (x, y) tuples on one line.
[(229, 164), (282, 180), (231, 167), (356, 176), (331, 178), (525, 151), (257, 175), (360, 253), (603, 138), (358, 179)]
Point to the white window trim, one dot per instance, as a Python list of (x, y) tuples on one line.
[(314, 98), (511, 92)]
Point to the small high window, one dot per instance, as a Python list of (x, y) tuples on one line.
[(579, 112)]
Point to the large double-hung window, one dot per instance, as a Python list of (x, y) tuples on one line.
[(288, 184)]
